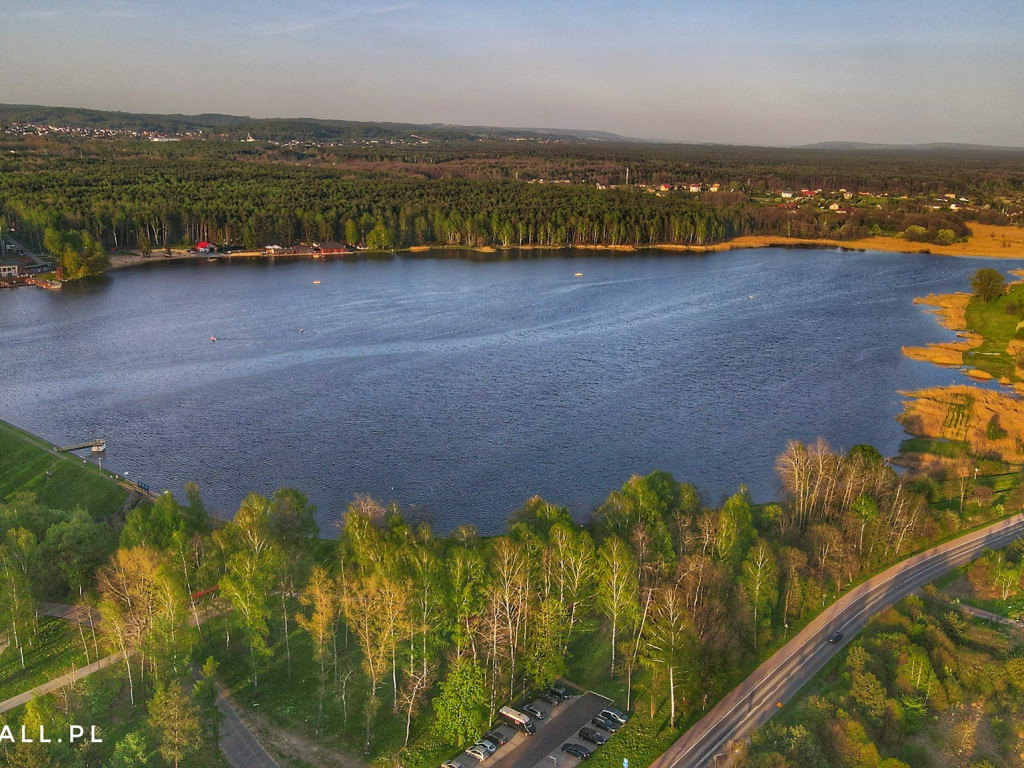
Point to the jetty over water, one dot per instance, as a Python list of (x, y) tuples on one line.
[(95, 445)]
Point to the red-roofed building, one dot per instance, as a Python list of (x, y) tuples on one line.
[(204, 247)]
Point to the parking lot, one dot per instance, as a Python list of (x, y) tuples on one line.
[(561, 724)]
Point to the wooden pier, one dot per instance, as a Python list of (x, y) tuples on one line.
[(95, 445)]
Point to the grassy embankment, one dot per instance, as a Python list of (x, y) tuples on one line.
[(963, 423), (59, 481)]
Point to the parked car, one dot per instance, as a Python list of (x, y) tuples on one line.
[(611, 713), (478, 752), (835, 637), (595, 737), (576, 750), (534, 711), (605, 724), (497, 737), (487, 745), (548, 698), (560, 691), (449, 764)]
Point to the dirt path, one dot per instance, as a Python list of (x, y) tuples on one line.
[(290, 744)]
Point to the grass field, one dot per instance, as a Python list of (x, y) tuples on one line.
[(57, 649), (59, 481)]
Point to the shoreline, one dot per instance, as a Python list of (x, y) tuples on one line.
[(988, 241)]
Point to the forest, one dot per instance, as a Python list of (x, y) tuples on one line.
[(78, 197), (923, 686), (400, 645)]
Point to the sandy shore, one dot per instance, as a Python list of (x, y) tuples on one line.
[(987, 241)]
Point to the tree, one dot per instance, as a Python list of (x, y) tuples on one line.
[(128, 602), (617, 587), (735, 527), (672, 643), (374, 609), (175, 721), (129, 752), (321, 595), (250, 575), (545, 657), (17, 604), (205, 696), (760, 582), (461, 709), (417, 681), (988, 284)]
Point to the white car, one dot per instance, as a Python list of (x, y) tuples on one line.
[(478, 752)]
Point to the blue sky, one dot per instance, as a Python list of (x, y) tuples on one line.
[(770, 72)]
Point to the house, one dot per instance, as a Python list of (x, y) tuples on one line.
[(664, 187), (714, 187), (695, 187), (204, 247), (786, 194), (331, 247), (8, 270)]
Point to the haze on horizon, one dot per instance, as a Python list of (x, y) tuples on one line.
[(772, 73)]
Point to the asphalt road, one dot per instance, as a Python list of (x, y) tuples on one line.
[(237, 743), (755, 700)]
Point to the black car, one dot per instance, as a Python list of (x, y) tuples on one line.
[(835, 637), (554, 701), (594, 737), (497, 737), (560, 691), (576, 750), (605, 724)]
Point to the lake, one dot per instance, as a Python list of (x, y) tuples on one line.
[(460, 388)]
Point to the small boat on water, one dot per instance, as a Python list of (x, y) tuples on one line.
[(316, 282), (578, 274), (213, 338)]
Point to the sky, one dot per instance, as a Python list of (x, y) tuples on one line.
[(769, 73)]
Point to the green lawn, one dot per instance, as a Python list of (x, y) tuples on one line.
[(55, 650), (59, 481), (997, 322)]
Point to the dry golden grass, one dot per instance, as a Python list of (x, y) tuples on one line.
[(933, 413), (951, 310), (950, 354), (985, 240), (950, 307)]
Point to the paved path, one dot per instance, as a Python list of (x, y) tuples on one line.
[(240, 747), (970, 610), (754, 701), (75, 613), (59, 682)]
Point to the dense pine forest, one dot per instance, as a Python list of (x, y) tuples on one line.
[(80, 197)]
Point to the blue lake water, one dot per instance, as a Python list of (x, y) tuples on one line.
[(459, 388)]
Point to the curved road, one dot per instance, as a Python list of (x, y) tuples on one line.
[(756, 699)]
